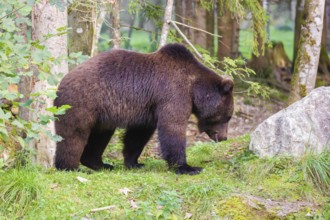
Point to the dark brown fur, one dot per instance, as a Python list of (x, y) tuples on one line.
[(139, 92)]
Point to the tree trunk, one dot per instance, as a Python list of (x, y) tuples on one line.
[(324, 63), (193, 14), (24, 86), (97, 29), (299, 13), (46, 19), (81, 18), (228, 29), (115, 24), (166, 25), (327, 17), (305, 70)]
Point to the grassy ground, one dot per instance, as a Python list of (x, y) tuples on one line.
[(234, 184)]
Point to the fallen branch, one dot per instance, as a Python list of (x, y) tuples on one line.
[(103, 208)]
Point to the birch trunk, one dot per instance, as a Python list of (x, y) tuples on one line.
[(46, 19), (305, 71), (97, 30), (115, 24), (166, 25)]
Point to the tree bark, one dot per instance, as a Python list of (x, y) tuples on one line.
[(24, 86), (166, 25), (324, 63), (81, 19), (327, 17), (306, 64), (115, 24), (299, 13), (228, 29), (193, 14), (46, 19), (97, 29)]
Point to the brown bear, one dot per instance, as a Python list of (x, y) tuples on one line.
[(139, 92)]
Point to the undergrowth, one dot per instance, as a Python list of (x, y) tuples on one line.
[(231, 173), (20, 189)]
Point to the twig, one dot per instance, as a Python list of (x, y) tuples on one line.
[(198, 29), (13, 11), (185, 38), (191, 45), (103, 208), (136, 28)]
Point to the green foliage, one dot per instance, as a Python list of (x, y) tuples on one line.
[(240, 9), (19, 190), (22, 57), (236, 68), (316, 169)]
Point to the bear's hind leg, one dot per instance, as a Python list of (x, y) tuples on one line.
[(134, 141), (97, 142)]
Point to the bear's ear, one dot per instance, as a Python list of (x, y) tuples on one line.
[(227, 86)]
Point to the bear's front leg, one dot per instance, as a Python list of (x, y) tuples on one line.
[(172, 138)]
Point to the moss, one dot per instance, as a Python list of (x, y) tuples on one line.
[(237, 208), (302, 90)]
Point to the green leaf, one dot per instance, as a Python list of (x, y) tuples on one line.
[(37, 45), (27, 103), (8, 24), (25, 11), (17, 124), (4, 133), (58, 111), (3, 115), (21, 141)]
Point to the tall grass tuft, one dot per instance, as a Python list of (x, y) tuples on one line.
[(316, 169), (19, 188)]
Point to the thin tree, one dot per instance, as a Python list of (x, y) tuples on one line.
[(46, 19), (166, 25), (306, 63), (24, 86), (298, 20), (115, 23)]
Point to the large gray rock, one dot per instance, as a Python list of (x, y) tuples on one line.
[(304, 125)]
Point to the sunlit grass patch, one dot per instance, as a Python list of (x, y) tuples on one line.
[(19, 191), (316, 169)]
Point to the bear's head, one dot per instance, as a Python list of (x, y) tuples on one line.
[(213, 106)]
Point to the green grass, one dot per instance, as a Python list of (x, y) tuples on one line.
[(157, 193), (316, 168)]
